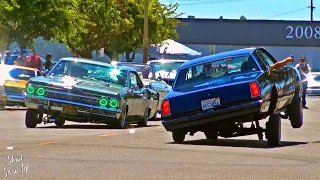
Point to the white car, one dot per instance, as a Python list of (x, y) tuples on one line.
[(313, 84)]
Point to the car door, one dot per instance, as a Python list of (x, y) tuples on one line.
[(136, 88), (280, 78)]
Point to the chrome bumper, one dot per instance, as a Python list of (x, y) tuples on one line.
[(12, 98), (51, 104)]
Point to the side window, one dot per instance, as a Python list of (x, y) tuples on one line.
[(133, 80), (261, 61), (39, 73), (266, 57)]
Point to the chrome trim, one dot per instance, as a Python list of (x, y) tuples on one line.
[(71, 102)]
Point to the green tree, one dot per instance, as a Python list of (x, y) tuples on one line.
[(162, 24)]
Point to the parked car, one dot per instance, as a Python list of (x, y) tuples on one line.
[(217, 94), (83, 90), (13, 82), (313, 84), (148, 78)]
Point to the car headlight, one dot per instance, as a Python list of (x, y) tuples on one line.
[(39, 91), (108, 102)]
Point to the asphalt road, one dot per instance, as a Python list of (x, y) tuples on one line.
[(89, 151)]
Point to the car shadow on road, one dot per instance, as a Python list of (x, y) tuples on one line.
[(240, 143), (90, 126)]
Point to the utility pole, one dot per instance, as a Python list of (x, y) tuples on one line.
[(145, 33), (312, 7)]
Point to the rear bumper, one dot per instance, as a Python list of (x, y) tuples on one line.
[(212, 116), (85, 112)]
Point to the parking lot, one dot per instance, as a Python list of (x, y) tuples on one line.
[(90, 151)]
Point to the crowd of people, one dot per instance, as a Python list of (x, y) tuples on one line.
[(32, 60)]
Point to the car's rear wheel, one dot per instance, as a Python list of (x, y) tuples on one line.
[(211, 135), (60, 121), (295, 111), (178, 136), (144, 121), (32, 118), (273, 130)]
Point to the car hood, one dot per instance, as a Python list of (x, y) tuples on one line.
[(16, 83), (157, 85), (85, 85)]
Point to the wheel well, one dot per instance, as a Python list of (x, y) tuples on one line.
[(274, 99)]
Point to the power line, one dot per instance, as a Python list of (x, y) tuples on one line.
[(297, 10)]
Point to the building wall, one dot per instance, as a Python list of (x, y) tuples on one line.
[(279, 52)]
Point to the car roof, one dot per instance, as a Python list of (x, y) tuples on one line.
[(18, 67), (83, 60), (219, 56)]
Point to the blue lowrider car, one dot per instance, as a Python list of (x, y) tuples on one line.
[(217, 94)]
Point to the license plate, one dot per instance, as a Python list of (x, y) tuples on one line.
[(210, 103), (69, 110)]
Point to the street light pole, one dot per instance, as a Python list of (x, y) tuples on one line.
[(145, 32)]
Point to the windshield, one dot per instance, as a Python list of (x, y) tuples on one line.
[(166, 69), (21, 74), (110, 75), (216, 69)]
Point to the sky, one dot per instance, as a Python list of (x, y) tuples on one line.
[(251, 9)]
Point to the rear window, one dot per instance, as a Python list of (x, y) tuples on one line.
[(216, 69)]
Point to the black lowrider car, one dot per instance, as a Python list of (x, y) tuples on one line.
[(217, 94), (87, 91)]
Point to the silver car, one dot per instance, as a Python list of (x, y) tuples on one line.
[(313, 84), (158, 74)]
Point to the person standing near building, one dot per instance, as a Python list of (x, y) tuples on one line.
[(304, 70), (33, 61), (21, 60), (48, 63)]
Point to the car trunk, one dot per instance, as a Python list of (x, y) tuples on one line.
[(184, 101)]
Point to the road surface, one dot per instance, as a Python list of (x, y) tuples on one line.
[(90, 151)]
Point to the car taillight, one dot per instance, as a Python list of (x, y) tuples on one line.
[(165, 107), (254, 89)]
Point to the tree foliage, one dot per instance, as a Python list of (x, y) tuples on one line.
[(87, 25)]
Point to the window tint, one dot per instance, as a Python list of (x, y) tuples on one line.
[(267, 57), (216, 69)]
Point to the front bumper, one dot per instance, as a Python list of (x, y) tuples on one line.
[(85, 112), (313, 92), (212, 116), (12, 99)]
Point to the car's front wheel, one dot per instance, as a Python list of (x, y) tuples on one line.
[(32, 118), (295, 111), (122, 124), (273, 130), (144, 121)]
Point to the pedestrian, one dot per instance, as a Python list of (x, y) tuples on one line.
[(21, 60), (33, 61), (8, 59), (48, 63), (304, 70)]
